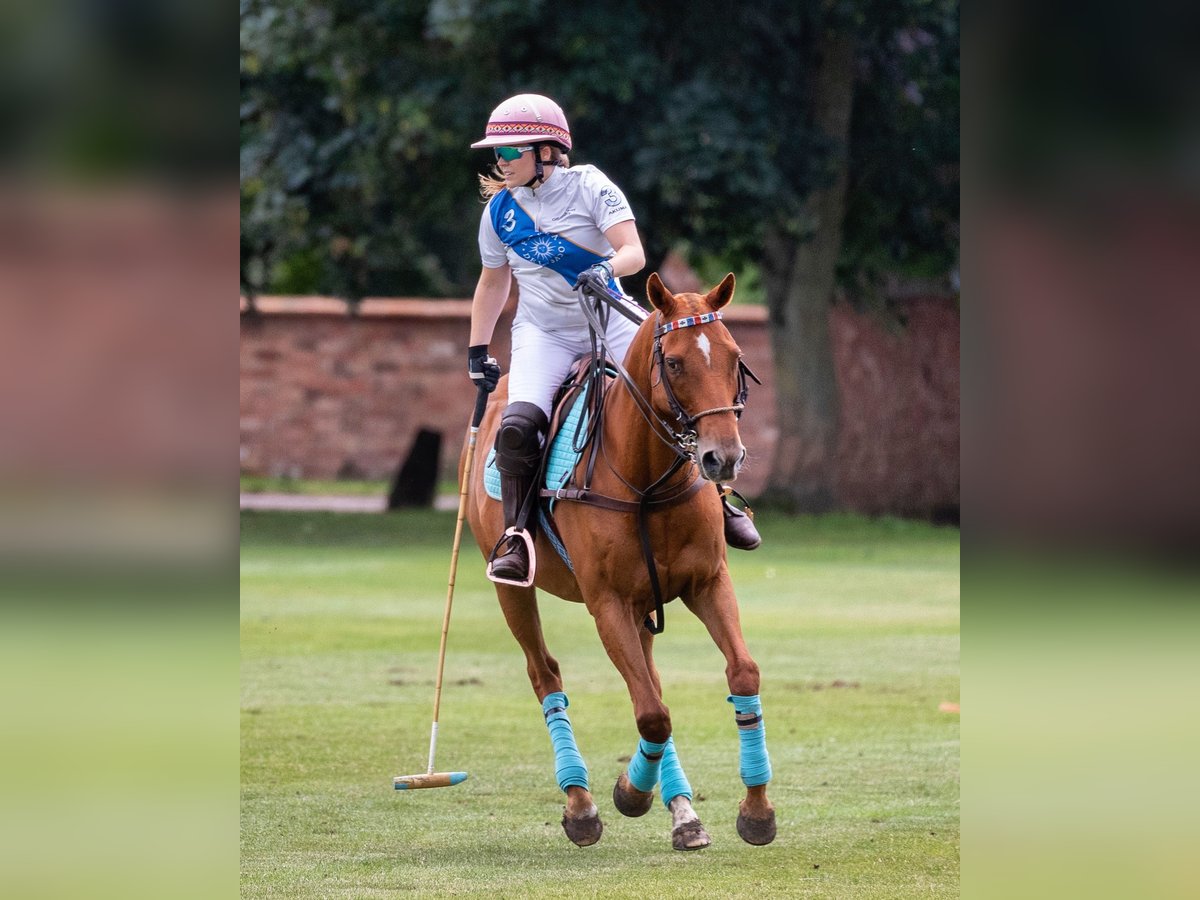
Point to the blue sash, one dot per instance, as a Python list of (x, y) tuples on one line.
[(515, 228)]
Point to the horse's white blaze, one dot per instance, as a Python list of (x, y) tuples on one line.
[(682, 812), (705, 348)]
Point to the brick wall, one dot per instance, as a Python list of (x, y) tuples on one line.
[(898, 442), (325, 394)]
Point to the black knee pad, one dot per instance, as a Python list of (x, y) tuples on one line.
[(518, 442)]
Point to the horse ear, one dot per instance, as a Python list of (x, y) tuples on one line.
[(722, 293), (659, 296)]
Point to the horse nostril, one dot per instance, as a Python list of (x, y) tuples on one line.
[(709, 461)]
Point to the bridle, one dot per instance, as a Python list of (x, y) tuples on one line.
[(685, 436), (681, 436)]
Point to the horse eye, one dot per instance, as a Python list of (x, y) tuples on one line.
[(674, 366)]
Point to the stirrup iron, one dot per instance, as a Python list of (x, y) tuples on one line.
[(521, 533)]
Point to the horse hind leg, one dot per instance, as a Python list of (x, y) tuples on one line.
[(581, 818), (687, 832)]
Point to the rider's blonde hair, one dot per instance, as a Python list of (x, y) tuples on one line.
[(493, 183)]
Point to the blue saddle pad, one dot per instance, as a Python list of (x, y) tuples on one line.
[(563, 459)]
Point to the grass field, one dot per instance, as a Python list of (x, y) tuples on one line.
[(854, 624)]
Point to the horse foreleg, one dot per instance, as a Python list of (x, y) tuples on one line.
[(619, 631), (687, 833), (581, 819), (717, 608), (629, 800)]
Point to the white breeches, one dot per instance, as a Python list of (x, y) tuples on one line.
[(540, 359)]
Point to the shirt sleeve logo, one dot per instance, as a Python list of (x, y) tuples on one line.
[(610, 197)]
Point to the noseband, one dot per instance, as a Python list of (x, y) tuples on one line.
[(685, 435)]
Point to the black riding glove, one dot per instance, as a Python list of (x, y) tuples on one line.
[(482, 368), (595, 280)]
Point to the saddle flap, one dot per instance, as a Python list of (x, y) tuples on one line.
[(573, 408)]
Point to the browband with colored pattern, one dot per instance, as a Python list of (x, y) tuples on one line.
[(687, 322)]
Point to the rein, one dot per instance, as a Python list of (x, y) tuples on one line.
[(682, 439)]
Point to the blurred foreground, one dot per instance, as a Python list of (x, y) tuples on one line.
[(118, 641), (1081, 356)]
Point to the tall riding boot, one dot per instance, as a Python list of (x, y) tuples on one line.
[(740, 532), (518, 458)]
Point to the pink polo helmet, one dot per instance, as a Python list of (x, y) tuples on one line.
[(526, 117)]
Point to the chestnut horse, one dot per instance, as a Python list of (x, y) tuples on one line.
[(686, 367)]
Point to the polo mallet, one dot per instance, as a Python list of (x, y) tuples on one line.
[(432, 779)]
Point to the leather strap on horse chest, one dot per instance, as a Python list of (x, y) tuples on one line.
[(591, 498), (659, 624), (643, 508)]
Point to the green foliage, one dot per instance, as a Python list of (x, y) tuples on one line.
[(710, 268), (902, 205), (356, 116), (353, 171), (855, 626)]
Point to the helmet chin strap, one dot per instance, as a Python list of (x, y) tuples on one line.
[(538, 172)]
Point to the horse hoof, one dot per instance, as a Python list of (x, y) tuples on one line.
[(756, 831), (629, 801), (585, 830), (690, 836)]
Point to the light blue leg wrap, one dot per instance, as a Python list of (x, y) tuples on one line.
[(569, 767), (674, 782), (754, 764), (643, 768)]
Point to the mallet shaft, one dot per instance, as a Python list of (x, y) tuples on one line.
[(430, 778)]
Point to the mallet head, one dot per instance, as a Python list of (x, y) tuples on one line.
[(431, 780)]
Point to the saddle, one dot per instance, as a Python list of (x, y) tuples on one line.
[(577, 415)]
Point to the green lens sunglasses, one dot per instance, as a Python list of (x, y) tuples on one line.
[(509, 154)]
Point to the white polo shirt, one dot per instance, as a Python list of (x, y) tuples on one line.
[(548, 235)]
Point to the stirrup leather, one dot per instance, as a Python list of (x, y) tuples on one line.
[(726, 492), (521, 533)]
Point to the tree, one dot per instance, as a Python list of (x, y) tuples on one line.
[(799, 262)]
